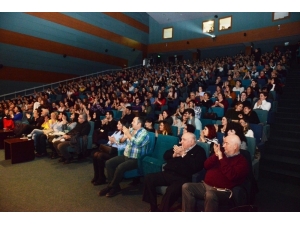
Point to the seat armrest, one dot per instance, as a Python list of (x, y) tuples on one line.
[(199, 176)]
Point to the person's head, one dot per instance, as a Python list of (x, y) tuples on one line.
[(239, 106), (182, 104), (243, 96), (137, 123), (228, 89), (210, 131), (188, 140), (263, 96), (149, 123), (192, 95), (17, 109), (54, 115), (164, 127), (189, 128), (82, 118), (237, 129), (206, 95), (128, 110), (44, 112), (224, 121), (247, 109), (137, 101), (120, 124), (147, 102), (189, 112), (244, 124), (219, 89), (231, 145), (221, 96), (238, 83), (166, 114), (109, 115), (191, 104), (74, 117), (63, 115)]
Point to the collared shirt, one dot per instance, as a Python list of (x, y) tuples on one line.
[(138, 144)]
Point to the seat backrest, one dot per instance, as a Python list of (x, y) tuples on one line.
[(197, 134), (90, 136), (151, 144), (220, 137), (206, 122), (251, 146), (205, 146), (246, 83), (164, 143), (219, 111), (156, 126), (258, 131), (262, 115), (175, 131)]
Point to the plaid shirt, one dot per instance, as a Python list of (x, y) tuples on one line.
[(138, 144)]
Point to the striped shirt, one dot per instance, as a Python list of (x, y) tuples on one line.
[(138, 144)]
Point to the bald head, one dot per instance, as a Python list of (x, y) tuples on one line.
[(231, 144), (188, 140)]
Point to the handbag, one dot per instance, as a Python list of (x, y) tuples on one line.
[(210, 115), (8, 124), (108, 149)]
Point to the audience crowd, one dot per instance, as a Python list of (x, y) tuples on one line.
[(154, 98)]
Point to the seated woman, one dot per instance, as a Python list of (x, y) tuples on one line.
[(222, 127), (237, 129), (117, 142), (229, 93), (146, 109), (149, 125), (235, 114), (159, 101), (206, 102), (250, 115), (250, 93), (247, 131), (180, 122), (238, 86), (218, 91), (221, 102), (180, 110), (166, 116), (164, 129), (66, 126), (209, 135)]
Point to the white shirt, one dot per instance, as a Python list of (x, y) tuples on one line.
[(249, 133), (264, 105), (241, 89)]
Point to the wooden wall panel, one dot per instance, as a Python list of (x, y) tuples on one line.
[(128, 20), (13, 38), (68, 21), (266, 33), (19, 74)]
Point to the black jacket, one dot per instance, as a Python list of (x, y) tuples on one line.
[(185, 166)]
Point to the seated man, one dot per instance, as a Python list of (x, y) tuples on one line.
[(182, 162), (136, 146), (192, 119), (108, 126), (224, 170), (81, 129), (128, 115)]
